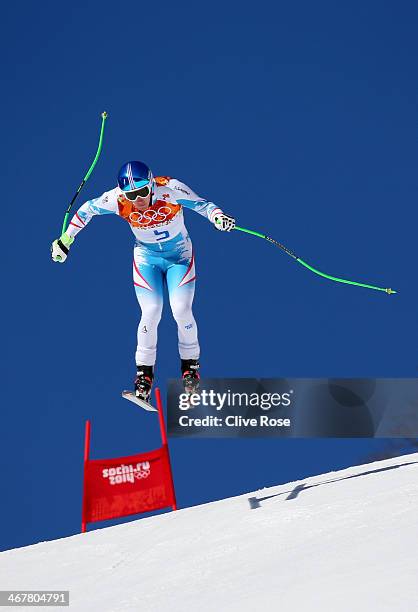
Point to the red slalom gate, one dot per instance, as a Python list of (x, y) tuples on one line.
[(114, 488)]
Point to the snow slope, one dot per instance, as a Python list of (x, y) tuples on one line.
[(341, 541)]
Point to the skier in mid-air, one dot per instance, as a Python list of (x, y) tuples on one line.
[(163, 253)]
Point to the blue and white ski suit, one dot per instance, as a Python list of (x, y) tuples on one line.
[(163, 254)]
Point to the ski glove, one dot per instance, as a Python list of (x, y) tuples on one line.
[(224, 222), (60, 248)]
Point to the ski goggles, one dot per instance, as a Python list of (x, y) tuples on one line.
[(141, 192)]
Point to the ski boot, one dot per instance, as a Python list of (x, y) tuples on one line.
[(143, 381), (190, 374)]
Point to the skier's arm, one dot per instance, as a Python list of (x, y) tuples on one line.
[(105, 204), (211, 211)]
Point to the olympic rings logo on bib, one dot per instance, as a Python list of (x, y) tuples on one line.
[(160, 213), (154, 216), (151, 216)]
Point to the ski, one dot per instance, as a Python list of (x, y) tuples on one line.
[(130, 395)]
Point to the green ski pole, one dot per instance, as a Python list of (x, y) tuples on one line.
[(304, 263), (85, 179)]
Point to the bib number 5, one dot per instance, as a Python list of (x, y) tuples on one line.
[(161, 235)]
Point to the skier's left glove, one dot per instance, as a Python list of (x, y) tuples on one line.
[(60, 248), (224, 222)]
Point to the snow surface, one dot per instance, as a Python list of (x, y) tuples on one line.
[(343, 541)]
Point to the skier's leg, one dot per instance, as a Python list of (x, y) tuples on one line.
[(148, 282), (181, 286)]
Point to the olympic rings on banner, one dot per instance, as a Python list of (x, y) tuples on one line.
[(139, 475)]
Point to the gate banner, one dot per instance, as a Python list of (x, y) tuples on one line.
[(127, 485), (295, 408)]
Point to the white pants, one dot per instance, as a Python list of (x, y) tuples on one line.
[(173, 266)]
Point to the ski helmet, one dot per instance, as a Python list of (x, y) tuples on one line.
[(134, 175)]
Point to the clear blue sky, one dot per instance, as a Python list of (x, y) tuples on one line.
[(300, 119)]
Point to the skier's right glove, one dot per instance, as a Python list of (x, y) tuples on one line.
[(224, 222), (60, 248)]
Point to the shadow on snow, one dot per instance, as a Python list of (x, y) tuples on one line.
[(255, 502)]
